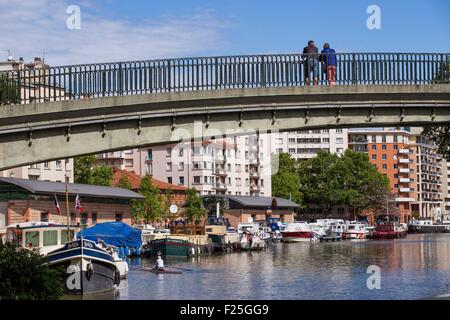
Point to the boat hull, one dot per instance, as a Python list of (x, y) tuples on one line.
[(427, 229), (297, 236), (170, 247), (354, 236), (84, 270)]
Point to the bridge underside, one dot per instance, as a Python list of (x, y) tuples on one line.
[(40, 132)]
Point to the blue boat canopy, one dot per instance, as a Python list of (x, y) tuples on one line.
[(118, 234)]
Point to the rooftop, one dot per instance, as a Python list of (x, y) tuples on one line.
[(261, 202), (48, 187), (135, 181)]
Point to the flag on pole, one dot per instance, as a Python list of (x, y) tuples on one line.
[(78, 204), (58, 209)]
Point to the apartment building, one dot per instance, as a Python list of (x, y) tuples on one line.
[(305, 144), (446, 190), (411, 164), (239, 165), (56, 171), (430, 181)]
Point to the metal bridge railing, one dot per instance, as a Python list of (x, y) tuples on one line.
[(216, 73)]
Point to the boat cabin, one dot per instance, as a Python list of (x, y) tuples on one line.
[(42, 237)]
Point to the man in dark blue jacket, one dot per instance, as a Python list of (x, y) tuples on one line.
[(328, 57)]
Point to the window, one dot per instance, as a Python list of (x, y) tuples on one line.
[(94, 217), (181, 152), (384, 156), (325, 131), (374, 147), (169, 166), (46, 165), (339, 150), (32, 238), (181, 166), (383, 147), (395, 176), (181, 181), (58, 164), (128, 162), (291, 140), (44, 216), (64, 238), (291, 150), (119, 217), (339, 140), (396, 186), (50, 238), (395, 166), (374, 157), (197, 179), (395, 138), (325, 140), (395, 147), (168, 152), (338, 130), (149, 155), (169, 180), (374, 139), (383, 138), (246, 141), (262, 183), (384, 166), (279, 150)]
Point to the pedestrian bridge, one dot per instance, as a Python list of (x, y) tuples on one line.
[(57, 112)]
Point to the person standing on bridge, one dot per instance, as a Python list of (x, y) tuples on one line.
[(328, 57), (311, 60)]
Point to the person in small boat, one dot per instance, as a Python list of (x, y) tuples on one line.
[(159, 263)]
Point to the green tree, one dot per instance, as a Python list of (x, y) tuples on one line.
[(124, 183), (286, 181), (25, 276), (151, 207), (193, 207), (101, 176), (9, 90), (82, 167), (441, 137), (320, 181)]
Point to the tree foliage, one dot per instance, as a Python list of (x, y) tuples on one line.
[(124, 183), (152, 206), (328, 180), (25, 276), (85, 172), (286, 182), (193, 207), (441, 137), (9, 90)]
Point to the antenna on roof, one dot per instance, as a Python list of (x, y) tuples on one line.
[(10, 57), (43, 55)]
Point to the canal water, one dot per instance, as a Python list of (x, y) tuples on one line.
[(417, 267)]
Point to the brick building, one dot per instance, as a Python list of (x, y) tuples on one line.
[(23, 200)]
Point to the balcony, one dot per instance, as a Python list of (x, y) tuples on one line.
[(405, 170), (220, 172), (220, 186), (404, 199), (34, 171), (255, 187), (405, 190), (406, 180), (405, 160), (254, 174), (404, 151)]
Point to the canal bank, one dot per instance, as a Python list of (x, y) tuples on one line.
[(417, 267)]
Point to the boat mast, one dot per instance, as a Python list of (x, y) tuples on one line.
[(67, 207)]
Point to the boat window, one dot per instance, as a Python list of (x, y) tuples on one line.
[(50, 238), (32, 237), (64, 236)]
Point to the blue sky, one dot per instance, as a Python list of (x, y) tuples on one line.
[(128, 30)]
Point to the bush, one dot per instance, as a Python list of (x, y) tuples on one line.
[(25, 276)]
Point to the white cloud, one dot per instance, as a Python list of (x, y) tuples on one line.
[(30, 26)]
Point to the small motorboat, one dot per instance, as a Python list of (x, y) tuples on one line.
[(165, 270)]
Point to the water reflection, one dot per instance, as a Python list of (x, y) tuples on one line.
[(411, 268)]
